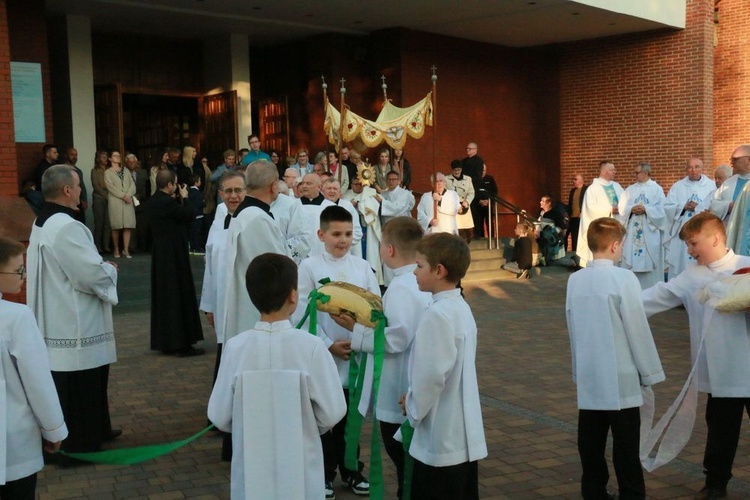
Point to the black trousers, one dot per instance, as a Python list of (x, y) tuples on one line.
[(20, 489), (593, 427), (454, 482), (480, 215), (573, 226), (83, 398), (334, 447), (395, 451), (724, 419)]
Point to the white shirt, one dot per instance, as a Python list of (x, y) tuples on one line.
[(350, 269), (596, 203), (443, 399), (71, 291), (29, 407), (723, 369), (287, 210), (213, 293), (253, 232), (610, 340), (446, 216), (396, 203), (403, 306), (278, 346)]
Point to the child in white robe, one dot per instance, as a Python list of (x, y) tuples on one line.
[(337, 264), (722, 368), (29, 408), (442, 402), (613, 356), (273, 344), (403, 305)]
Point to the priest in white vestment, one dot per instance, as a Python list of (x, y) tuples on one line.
[(725, 196), (394, 202), (287, 210), (601, 200), (641, 208), (313, 202), (687, 197), (213, 294), (253, 231), (71, 291), (444, 221)]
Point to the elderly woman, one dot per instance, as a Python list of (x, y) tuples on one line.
[(120, 188)]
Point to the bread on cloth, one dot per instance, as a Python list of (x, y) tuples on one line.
[(355, 301)]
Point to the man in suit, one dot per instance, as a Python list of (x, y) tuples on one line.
[(575, 202), (140, 240)]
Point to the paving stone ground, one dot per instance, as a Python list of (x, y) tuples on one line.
[(528, 403)]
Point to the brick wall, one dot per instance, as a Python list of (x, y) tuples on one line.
[(641, 97), (731, 77), (28, 43), (8, 173)]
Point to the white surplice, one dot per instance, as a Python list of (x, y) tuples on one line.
[(613, 351), (287, 210), (71, 291), (727, 193), (598, 201), (642, 250), (253, 232), (723, 369), (311, 215), (446, 216), (403, 305), (442, 403), (681, 192), (315, 405), (213, 292), (29, 407), (398, 202), (350, 269)]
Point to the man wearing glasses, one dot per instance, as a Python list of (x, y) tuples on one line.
[(71, 291), (725, 196), (738, 230), (255, 152), (473, 166)]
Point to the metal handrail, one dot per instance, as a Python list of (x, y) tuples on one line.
[(495, 202)]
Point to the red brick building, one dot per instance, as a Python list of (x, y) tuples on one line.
[(540, 112)]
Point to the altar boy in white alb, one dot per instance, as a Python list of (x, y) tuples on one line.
[(337, 264), (442, 403), (613, 355), (722, 369), (29, 408), (403, 305), (277, 391)]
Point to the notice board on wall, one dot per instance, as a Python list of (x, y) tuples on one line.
[(28, 101)]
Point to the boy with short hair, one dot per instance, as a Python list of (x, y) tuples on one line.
[(613, 356), (337, 264), (524, 252), (442, 402), (274, 346), (30, 413), (403, 305), (722, 369)]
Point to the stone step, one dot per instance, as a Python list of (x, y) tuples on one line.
[(487, 254), (486, 264)]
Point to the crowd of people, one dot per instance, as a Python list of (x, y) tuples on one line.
[(323, 220)]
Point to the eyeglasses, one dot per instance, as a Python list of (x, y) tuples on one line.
[(234, 190), (21, 272), (734, 159)]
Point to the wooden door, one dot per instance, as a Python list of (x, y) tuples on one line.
[(218, 120), (108, 117), (274, 124)]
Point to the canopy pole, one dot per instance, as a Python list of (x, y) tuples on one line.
[(341, 129), (434, 138)]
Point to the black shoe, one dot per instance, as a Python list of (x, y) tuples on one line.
[(192, 351), (113, 434), (358, 484), (330, 494), (711, 492)]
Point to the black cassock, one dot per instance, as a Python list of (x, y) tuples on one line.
[(175, 320)]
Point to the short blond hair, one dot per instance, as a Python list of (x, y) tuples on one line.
[(603, 232), (403, 233), (703, 221)]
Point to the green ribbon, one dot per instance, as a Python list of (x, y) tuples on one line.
[(407, 433), (311, 311), (137, 454)]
